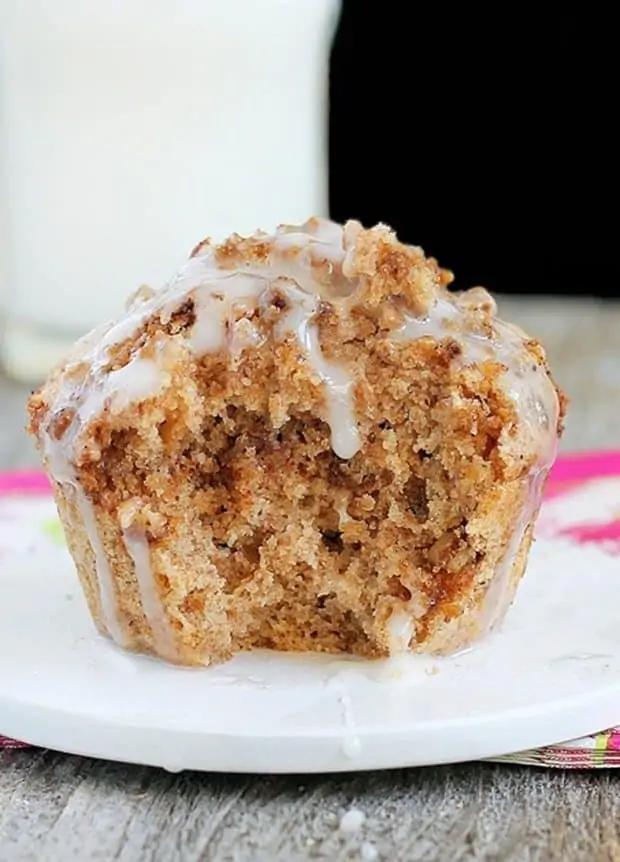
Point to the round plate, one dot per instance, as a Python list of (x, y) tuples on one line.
[(551, 673)]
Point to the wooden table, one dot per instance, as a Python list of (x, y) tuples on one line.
[(55, 808)]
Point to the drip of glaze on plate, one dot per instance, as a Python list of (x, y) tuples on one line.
[(351, 743)]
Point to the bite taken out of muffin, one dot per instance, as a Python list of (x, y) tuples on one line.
[(304, 442)]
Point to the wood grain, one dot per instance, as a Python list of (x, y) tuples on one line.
[(57, 808)]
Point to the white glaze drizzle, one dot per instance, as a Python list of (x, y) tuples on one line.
[(137, 547), (524, 382), (338, 382), (499, 592), (105, 580), (116, 391), (221, 295)]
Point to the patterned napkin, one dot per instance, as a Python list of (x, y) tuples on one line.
[(582, 504)]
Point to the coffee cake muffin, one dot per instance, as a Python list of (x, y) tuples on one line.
[(304, 442)]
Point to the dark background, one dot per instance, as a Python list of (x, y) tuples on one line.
[(487, 137)]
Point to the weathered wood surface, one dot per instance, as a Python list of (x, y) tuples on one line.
[(55, 808)]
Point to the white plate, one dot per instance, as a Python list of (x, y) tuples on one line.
[(552, 673)]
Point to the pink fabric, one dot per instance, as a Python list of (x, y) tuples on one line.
[(24, 482), (12, 743), (585, 465)]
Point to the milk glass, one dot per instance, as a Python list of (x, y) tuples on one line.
[(131, 129)]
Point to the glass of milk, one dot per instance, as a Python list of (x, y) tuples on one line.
[(130, 130)]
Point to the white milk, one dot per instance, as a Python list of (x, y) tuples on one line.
[(133, 128)]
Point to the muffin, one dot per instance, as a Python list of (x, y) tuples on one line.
[(304, 442)]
